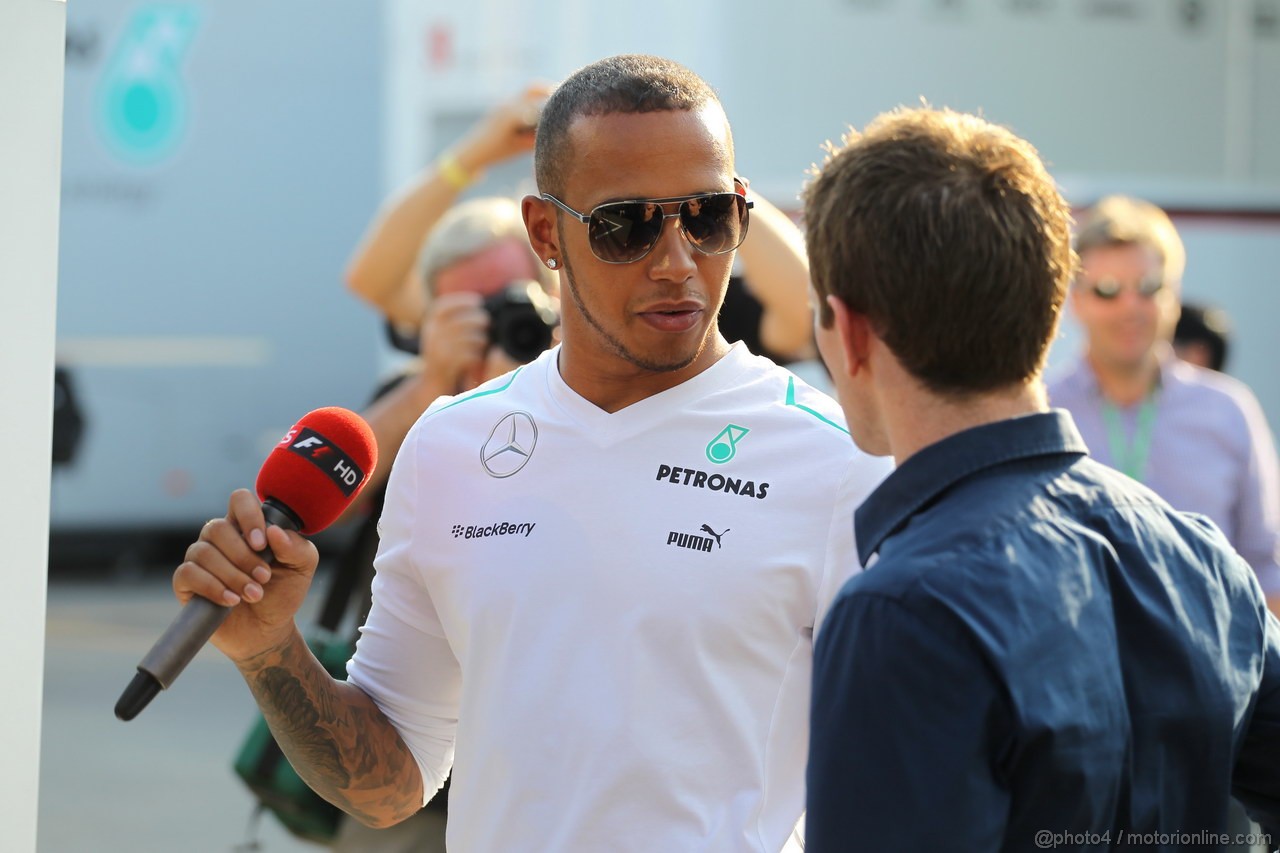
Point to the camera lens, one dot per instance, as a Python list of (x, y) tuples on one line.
[(521, 318)]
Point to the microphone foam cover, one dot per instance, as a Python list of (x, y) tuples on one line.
[(319, 466)]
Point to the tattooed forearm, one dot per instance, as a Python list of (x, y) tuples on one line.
[(335, 736), (295, 718)]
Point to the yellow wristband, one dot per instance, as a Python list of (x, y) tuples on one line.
[(454, 175)]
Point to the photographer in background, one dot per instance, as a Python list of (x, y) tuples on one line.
[(383, 270), (471, 330)]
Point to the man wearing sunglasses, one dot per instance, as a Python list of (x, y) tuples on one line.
[(1198, 438), (599, 575)]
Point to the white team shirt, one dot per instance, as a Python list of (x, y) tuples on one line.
[(612, 615)]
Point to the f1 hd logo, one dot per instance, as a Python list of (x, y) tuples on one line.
[(330, 459)]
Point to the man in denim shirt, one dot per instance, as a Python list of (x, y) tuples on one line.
[(1042, 653)]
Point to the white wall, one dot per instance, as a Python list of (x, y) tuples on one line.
[(31, 72)]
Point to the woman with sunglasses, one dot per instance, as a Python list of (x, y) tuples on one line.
[(600, 574)]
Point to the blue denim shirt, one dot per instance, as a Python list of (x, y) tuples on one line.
[(1041, 645)]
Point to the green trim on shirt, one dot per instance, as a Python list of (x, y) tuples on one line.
[(479, 394), (791, 401)]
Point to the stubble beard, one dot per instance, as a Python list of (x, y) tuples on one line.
[(616, 346)]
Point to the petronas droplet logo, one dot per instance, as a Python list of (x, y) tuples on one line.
[(724, 446), (142, 100)]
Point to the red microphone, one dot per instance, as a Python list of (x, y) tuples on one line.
[(318, 468), (311, 476)]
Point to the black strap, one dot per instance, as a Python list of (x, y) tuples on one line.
[(352, 576)]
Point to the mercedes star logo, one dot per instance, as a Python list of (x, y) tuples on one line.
[(509, 445)]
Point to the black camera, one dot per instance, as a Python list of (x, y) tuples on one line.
[(521, 317)]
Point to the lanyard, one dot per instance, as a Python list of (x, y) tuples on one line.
[(1130, 453)]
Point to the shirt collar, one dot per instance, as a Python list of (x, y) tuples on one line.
[(1170, 367), (936, 468)]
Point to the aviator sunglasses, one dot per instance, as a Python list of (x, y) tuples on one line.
[(1108, 287), (622, 232)]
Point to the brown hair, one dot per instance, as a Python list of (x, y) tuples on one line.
[(947, 232), (619, 84), (1123, 221)]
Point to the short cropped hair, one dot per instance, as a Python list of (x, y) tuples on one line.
[(948, 233), (471, 226), (1123, 221), (632, 83)]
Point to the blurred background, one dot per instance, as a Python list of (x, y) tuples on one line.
[(221, 161)]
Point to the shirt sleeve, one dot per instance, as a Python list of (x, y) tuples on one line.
[(1256, 779), (403, 659), (903, 737), (1258, 512)]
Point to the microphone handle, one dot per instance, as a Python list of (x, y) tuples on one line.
[(186, 635)]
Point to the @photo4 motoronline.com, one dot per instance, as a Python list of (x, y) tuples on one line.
[(1048, 840)]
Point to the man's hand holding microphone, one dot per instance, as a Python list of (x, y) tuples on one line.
[(311, 475)]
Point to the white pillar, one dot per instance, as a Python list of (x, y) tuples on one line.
[(32, 41)]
